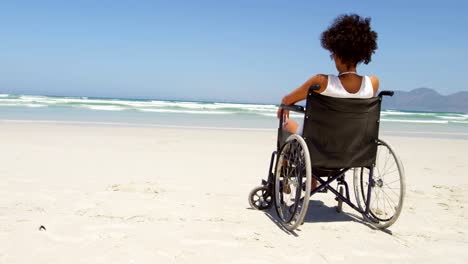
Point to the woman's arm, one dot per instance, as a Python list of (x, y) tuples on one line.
[(301, 93), (375, 84)]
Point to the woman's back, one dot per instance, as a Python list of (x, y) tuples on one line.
[(347, 86)]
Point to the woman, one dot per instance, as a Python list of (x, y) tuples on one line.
[(351, 41)]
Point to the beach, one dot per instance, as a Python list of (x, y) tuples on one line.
[(146, 132), (107, 193)]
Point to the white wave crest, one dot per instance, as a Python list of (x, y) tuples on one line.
[(10, 104), (3, 103), (247, 106), (36, 105), (122, 104), (159, 110), (453, 117), (103, 107), (416, 121), (397, 113), (294, 116)]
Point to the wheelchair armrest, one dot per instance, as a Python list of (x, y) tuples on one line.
[(294, 108), (386, 93), (314, 87)]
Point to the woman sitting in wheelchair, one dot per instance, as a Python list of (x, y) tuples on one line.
[(340, 136), (350, 41)]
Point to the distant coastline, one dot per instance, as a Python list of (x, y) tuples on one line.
[(427, 100)]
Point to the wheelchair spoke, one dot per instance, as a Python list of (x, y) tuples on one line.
[(375, 199), (390, 202), (397, 180), (392, 206), (380, 199), (388, 197), (377, 160), (389, 173), (389, 194), (386, 161), (392, 190)]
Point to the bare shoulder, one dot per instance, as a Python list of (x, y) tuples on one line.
[(375, 83), (320, 80)]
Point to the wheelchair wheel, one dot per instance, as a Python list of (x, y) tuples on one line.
[(292, 182), (387, 187), (260, 198)]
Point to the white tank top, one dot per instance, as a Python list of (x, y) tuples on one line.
[(336, 89)]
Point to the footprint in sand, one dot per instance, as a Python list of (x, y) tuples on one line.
[(147, 187), (444, 205)]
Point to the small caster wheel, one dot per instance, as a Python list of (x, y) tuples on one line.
[(260, 198)]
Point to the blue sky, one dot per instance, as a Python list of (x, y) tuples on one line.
[(244, 50)]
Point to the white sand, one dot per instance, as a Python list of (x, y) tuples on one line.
[(158, 195)]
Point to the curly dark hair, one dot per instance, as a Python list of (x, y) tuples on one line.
[(351, 38)]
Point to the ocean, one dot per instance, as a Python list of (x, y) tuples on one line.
[(147, 112)]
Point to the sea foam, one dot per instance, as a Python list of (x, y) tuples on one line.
[(154, 107)]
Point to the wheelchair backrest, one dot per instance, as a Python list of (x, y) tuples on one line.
[(341, 132)]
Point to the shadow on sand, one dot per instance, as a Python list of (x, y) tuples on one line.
[(319, 212)]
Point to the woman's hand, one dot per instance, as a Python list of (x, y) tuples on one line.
[(285, 112)]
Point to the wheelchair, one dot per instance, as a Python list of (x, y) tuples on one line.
[(340, 136)]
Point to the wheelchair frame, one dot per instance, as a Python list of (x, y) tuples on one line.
[(268, 188)]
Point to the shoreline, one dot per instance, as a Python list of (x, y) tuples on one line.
[(125, 124), (403, 133)]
